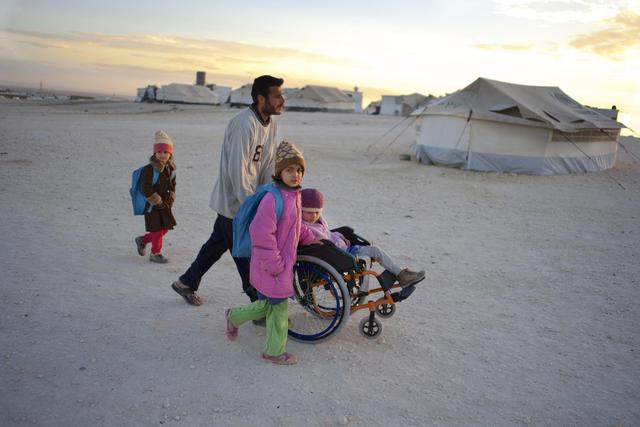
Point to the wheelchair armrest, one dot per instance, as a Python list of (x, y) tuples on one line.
[(352, 237)]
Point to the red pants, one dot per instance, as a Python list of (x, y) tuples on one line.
[(155, 238)]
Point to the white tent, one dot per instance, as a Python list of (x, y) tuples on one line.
[(186, 94), (505, 127), (241, 96), (223, 92), (319, 98)]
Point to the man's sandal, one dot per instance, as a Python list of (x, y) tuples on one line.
[(284, 359), (189, 295)]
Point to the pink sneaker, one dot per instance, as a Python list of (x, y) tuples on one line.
[(284, 359), (232, 331)]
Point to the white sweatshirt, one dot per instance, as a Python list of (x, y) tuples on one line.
[(246, 161)]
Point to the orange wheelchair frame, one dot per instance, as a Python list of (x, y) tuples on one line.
[(327, 289)]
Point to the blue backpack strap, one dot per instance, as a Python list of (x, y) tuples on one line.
[(154, 180), (278, 198)]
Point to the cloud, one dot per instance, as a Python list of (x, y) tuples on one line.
[(539, 47), (562, 11), (162, 53), (621, 33), (497, 46)]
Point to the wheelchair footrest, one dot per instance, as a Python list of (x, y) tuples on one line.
[(403, 294), (387, 279)]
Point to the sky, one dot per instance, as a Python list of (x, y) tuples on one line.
[(589, 48)]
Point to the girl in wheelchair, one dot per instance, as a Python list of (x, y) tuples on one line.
[(312, 205)]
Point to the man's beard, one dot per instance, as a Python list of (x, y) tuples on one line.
[(271, 110)]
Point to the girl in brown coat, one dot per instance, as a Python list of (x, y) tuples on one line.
[(160, 196)]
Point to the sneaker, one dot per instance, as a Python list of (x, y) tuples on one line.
[(159, 258), (232, 331), (141, 245), (284, 359), (189, 295), (407, 277)]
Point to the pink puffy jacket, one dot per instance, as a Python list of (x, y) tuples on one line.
[(273, 245)]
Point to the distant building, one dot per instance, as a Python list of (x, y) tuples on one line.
[(373, 108), (319, 98), (146, 94), (186, 94), (356, 96), (402, 105)]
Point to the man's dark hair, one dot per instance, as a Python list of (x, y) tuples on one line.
[(262, 84)]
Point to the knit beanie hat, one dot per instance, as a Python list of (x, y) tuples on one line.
[(162, 142), (288, 154), (312, 200)]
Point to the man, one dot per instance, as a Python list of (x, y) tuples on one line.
[(246, 162)]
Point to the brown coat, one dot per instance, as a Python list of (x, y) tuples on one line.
[(161, 196)]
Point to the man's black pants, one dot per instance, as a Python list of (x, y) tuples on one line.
[(220, 241)]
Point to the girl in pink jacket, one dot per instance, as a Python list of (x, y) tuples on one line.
[(273, 254)]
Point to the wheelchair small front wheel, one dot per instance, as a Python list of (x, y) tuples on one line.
[(370, 328), (386, 310)]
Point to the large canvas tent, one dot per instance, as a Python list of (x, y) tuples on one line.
[(319, 98), (241, 96), (186, 94), (504, 127)]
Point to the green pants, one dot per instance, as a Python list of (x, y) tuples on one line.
[(277, 319)]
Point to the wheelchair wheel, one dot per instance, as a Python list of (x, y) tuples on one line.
[(322, 301), (370, 327), (386, 310)]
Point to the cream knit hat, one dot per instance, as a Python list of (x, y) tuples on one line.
[(162, 142)]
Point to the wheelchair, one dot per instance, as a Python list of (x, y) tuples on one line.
[(328, 286)]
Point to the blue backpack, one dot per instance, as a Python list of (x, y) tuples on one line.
[(137, 198), (241, 222)]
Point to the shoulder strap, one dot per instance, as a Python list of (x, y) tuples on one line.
[(278, 198), (155, 177)]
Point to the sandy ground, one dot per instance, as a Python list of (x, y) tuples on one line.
[(529, 314)]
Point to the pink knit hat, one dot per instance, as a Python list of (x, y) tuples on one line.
[(162, 142), (312, 200)]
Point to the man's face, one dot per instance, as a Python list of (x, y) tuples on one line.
[(274, 102)]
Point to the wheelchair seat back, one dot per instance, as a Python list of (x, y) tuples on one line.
[(342, 261)]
